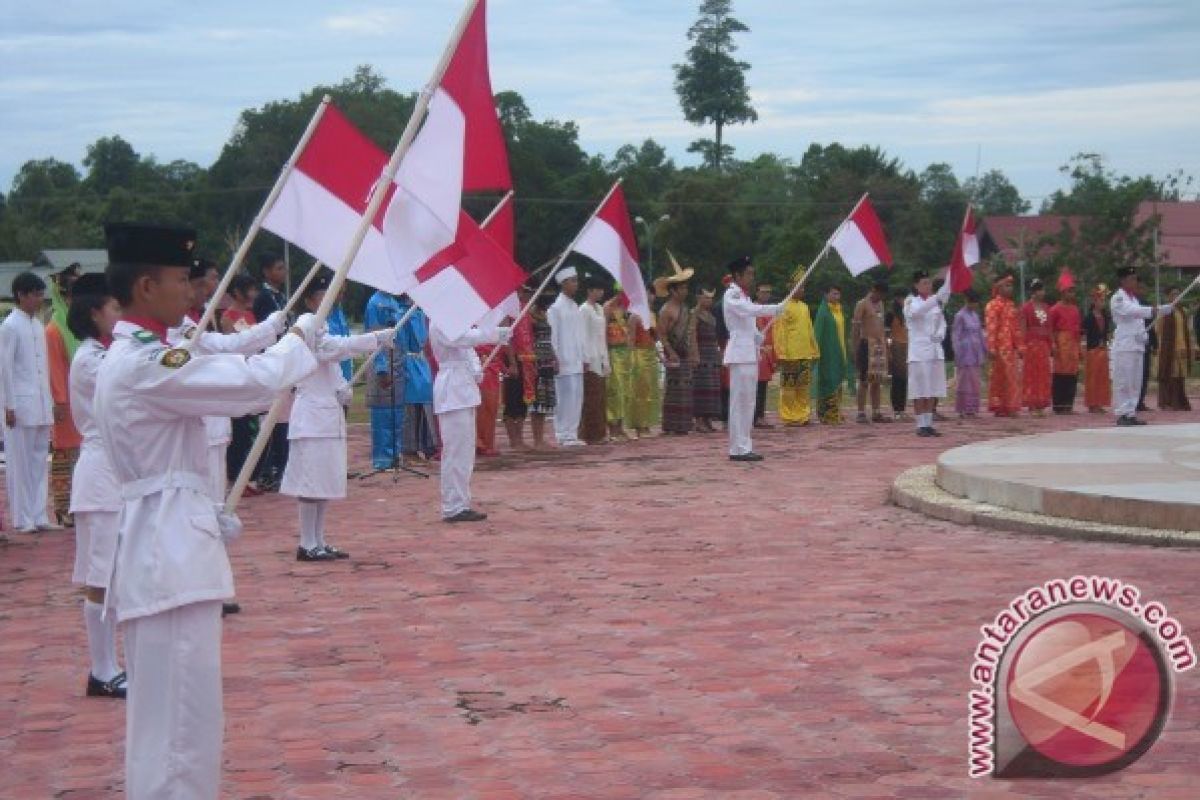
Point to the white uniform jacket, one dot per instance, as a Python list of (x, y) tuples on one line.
[(94, 485), (459, 370), (740, 315), (926, 325), (567, 335), (26, 370), (149, 402), (1129, 322), (595, 352), (317, 410)]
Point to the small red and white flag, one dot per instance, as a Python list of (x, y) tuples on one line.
[(608, 239), (860, 241), (966, 254)]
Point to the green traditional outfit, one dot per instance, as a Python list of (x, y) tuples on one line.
[(831, 365), (59, 308), (644, 405), (620, 357)]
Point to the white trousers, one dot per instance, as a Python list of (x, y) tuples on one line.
[(217, 482), (27, 474), (173, 721), (458, 459), (743, 385), (568, 406), (1127, 382)]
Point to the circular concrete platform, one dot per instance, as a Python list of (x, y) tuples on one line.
[(1145, 477)]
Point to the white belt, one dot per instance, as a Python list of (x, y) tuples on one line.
[(155, 484)]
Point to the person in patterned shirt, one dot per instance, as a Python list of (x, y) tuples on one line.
[(1003, 327)]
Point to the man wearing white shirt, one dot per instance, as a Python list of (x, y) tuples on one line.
[(567, 336), (1129, 345), (741, 356), (28, 408), (593, 427), (926, 324)]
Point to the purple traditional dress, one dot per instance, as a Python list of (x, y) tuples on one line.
[(970, 351)]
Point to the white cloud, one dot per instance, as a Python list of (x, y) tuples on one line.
[(368, 22)]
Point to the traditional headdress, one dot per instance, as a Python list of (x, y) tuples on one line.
[(680, 275)]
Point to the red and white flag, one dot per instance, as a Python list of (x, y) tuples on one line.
[(966, 255), (501, 225), (459, 272), (860, 241), (608, 239)]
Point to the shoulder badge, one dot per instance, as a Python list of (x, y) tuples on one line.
[(145, 337), (175, 358)]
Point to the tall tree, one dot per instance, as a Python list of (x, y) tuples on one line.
[(712, 83), (993, 194)]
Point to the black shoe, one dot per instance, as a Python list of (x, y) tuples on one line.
[(230, 608), (114, 688), (933, 431), (924, 432), (746, 457), (1136, 421), (466, 515), (335, 552), (316, 554), (1128, 421)]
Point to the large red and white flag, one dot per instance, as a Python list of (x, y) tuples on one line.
[(324, 196), (501, 225), (966, 254), (608, 239), (459, 272), (860, 241)]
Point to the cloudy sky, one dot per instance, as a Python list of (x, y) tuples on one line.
[(1020, 84)]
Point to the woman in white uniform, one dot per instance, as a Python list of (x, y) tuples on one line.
[(95, 494), (316, 467)]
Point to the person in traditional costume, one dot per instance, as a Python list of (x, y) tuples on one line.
[(316, 468), (766, 357), (1129, 344), (521, 375), (706, 372), (400, 395), (797, 351), (95, 493), (970, 353), (1175, 355), (1097, 374), (678, 335), (1037, 338), (620, 361), (489, 400), (546, 368), (1066, 325), (65, 440), (830, 329), (1002, 324), (644, 389), (593, 421), (898, 357), (741, 356), (868, 336)]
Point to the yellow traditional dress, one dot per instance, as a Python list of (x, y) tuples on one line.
[(797, 352)]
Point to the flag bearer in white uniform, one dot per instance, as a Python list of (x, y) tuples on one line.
[(1129, 344), (171, 570), (741, 355), (926, 322), (95, 494), (28, 407), (568, 333), (455, 398), (316, 466)]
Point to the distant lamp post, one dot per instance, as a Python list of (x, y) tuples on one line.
[(651, 229)]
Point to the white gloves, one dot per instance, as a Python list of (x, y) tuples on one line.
[(504, 335), (386, 339), (278, 321), (1166, 310), (345, 395), (310, 331), (230, 526), (759, 339)]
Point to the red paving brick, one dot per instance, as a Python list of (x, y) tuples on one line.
[(636, 621)]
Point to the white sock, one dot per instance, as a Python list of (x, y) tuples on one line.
[(308, 523), (920, 421), (321, 504), (102, 644)]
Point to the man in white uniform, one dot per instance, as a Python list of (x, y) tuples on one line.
[(28, 407), (455, 398), (926, 324), (1129, 344), (171, 571), (741, 356), (567, 337)]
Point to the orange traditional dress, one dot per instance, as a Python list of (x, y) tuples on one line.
[(489, 401), (1004, 343), (64, 437), (1097, 386), (1035, 375)]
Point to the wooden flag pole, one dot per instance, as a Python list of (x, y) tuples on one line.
[(558, 263), (378, 193), (238, 257), (1185, 292)]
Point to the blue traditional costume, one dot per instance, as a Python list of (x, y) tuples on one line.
[(402, 407)]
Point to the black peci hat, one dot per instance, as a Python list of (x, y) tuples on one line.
[(157, 245), (738, 265), (1125, 272), (91, 283)]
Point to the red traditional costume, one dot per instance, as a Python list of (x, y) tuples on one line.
[(1004, 343)]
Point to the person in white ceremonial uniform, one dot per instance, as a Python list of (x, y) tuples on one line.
[(1130, 338), (316, 467), (741, 355), (455, 398), (28, 407), (95, 494), (171, 570), (567, 338), (926, 322)]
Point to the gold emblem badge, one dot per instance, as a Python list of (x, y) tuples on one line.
[(175, 358)]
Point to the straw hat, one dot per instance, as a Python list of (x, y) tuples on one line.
[(681, 276)]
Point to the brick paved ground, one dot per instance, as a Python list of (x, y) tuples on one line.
[(733, 631)]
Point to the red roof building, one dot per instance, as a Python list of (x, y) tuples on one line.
[(1178, 232)]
